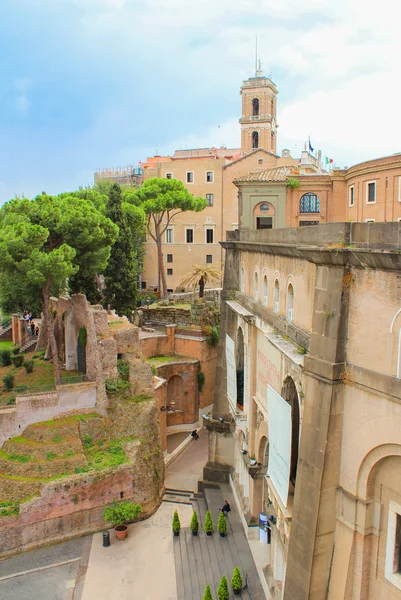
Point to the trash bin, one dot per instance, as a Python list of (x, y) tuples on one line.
[(106, 539)]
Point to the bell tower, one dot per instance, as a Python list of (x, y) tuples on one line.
[(259, 110)]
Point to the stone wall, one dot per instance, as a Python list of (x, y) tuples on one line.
[(164, 315), (42, 407), (209, 294), (182, 388), (72, 507)]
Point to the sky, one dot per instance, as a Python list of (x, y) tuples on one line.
[(101, 83)]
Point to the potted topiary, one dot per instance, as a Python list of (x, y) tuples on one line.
[(208, 524), (121, 513), (176, 523), (194, 523), (236, 581), (222, 592), (208, 594), (222, 525)]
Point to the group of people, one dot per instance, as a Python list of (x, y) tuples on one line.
[(30, 323)]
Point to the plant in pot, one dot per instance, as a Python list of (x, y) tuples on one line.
[(194, 523), (222, 524), (176, 523), (121, 513), (208, 524), (208, 594), (236, 581), (222, 592)]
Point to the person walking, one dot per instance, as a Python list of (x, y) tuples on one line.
[(226, 508), (32, 328), (195, 435)]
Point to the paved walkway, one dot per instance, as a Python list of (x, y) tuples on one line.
[(185, 472), (49, 573), (140, 567)]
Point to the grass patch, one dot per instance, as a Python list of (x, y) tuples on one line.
[(42, 376), (54, 423), (107, 454), (159, 360), (4, 345)]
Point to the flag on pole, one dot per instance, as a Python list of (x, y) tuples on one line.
[(329, 161), (311, 150)]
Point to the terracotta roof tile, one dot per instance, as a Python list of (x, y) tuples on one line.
[(276, 174)]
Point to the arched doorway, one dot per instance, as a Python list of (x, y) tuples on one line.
[(289, 394), (175, 392), (240, 368)]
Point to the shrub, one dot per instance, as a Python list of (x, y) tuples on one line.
[(11, 400), (120, 513), (213, 337), (123, 369), (293, 183), (15, 349), (194, 522), (82, 337), (5, 357), (28, 366), (20, 388), (208, 524), (201, 380), (51, 456), (222, 592), (88, 440), (8, 382), (236, 579), (222, 524), (208, 594), (17, 360), (176, 522)]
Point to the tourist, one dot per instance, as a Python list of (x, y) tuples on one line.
[(32, 328), (195, 435), (225, 508)]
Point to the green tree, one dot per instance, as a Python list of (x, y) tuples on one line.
[(44, 241), (161, 200), (132, 233), (121, 274), (208, 594), (222, 592)]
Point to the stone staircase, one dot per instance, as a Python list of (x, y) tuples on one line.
[(5, 329), (28, 343), (202, 560)]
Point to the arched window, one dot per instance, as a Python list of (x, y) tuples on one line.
[(276, 306), (255, 107), (265, 290), (272, 108), (309, 203), (255, 287), (242, 280), (255, 140), (290, 302)]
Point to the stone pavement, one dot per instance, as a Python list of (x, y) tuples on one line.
[(185, 472), (202, 560), (142, 566), (50, 573)]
